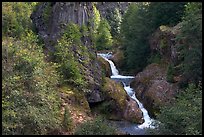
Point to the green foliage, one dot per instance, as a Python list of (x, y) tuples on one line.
[(97, 127), (16, 18), (184, 116), (139, 22), (104, 38), (96, 19), (170, 73), (114, 18), (134, 29), (163, 43), (165, 13), (66, 48), (191, 47), (155, 58), (67, 121), (30, 104)]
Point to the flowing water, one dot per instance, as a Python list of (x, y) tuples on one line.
[(127, 127)]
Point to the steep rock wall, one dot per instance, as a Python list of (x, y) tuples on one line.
[(105, 7), (50, 19)]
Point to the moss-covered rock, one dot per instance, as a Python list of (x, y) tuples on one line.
[(105, 66), (118, 105), (118, 58)]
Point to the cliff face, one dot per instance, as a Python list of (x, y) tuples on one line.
[(163, 40), (105, 7), (51, 18), (152, 86)]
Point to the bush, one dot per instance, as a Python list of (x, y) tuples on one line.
[(155, 58), (104, 37), (170, 73), (97, 127), (67, 121), (16, 18), (66, 56), (30, 104), (184, 116)]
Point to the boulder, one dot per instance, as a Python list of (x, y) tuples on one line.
[(163, 40), (132, 112), (119, 104), (152, 89), (118, 58), (105, 66)]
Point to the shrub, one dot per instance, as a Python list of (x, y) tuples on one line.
[(16, 18), (30, 104), (155, 58), (104, 38), (184, 116), (67, 121), (66, 56), (97, 127), (170, 73)]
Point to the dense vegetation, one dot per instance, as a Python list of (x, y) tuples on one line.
[(30, 104), (97, 127), (184, 116), (30, 83), (101, 32), (138, 24), (140, 20)]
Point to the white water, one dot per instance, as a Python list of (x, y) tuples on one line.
[(130, 92)]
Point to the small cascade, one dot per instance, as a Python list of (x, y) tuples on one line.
[(130, 92)]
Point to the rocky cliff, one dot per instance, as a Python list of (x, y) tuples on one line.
[(151, 85), (50, 20), (152, 88), (163, 41), (106, 7)]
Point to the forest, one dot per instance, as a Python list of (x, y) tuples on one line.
[(55, 83)]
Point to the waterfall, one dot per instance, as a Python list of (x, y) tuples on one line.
[(130, 91)]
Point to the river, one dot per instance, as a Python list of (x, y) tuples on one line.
[(124, 126)]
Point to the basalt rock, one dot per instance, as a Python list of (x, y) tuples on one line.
[(152, 89), (163, 40), (118, 58), (105, 7), (50, 20)]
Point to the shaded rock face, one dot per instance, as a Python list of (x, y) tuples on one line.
[(163, 40), (51, 18), (118, 58), (152, 89), (105, 7), (132, 112), (120, 105)]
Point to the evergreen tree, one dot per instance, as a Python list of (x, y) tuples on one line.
[(104, 38), (114, 18), (191, 48), (134, 29), (184, 116)]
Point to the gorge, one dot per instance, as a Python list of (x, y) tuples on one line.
[(101, 68), (133, 129)]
